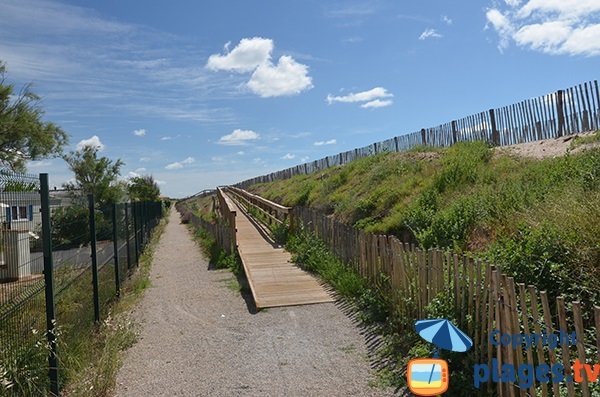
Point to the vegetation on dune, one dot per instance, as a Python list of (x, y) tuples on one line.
[(538, 219)]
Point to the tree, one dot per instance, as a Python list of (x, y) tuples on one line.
[(143, 188), (23, 135), (95, 175)]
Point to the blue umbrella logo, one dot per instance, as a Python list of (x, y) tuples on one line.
[(444, 335)]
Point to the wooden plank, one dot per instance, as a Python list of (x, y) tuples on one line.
[(597, 321), (538, 330), (549, 330), (498, 317), (274, 280), (516, 329), (508, 329), (562, 324), (579, 330), (524, 314)]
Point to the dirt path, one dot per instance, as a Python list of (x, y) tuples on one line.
[(200, 338)]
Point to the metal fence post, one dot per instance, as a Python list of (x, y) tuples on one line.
[(116, 250), (127, 235), (49, 284), (91, 206), (135, 233)]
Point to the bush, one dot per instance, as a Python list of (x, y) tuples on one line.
[(544, 257), (70, 226)]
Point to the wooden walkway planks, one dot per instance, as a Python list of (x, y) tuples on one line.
[(273, 278)]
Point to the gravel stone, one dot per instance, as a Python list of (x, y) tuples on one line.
[(199, 337)]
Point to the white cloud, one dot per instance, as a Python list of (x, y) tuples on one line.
[(556, 27), (305, 159), (377, 103), (180, 164), (174, 166), (288, 77), (93, 142), (329, 142), (140, 132), (268, 79), (430, 34), (145, 159), (447, 19), (372, 98), (289, 156), (159, 182), (166, 138), (240, 153), (245, 57), (189, 160), (239, 137)]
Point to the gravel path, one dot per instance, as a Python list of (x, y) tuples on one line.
[(200, 338)]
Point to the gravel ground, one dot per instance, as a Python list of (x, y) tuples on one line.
[(199, 337)]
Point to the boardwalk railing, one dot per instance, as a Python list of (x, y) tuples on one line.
[(564, 112), (226, 231), (483, 297), (272, 211)]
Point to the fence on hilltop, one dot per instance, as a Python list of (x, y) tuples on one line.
[(564, 112), (62, 262)]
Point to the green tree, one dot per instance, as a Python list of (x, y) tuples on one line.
[(23, 135), (95, 175), (143, 188)]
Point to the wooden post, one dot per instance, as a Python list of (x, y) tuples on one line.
[(562, 320), (454, 132), (549, 330), (423, 137), (495, 133), (579, 330), (597, 322), (524, 314), (560, 112), (536, 318)]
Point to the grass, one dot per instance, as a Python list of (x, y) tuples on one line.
[(585, 140), (471, 198), (219, 259), (91, 354)]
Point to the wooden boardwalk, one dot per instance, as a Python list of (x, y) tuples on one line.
[(273, 278)]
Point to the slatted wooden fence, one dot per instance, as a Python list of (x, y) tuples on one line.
[(564, 112), (486, 299)]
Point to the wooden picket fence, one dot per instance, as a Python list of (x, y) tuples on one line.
[(486, 299), (222, 232), (564, 112)]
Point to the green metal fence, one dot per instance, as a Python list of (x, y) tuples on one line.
[(63, 260)]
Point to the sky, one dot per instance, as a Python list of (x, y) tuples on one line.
[(207, 93)]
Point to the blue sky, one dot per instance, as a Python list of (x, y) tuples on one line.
[(203, 93)]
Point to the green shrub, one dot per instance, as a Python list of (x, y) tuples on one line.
[(70, 226), (544, 257)]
